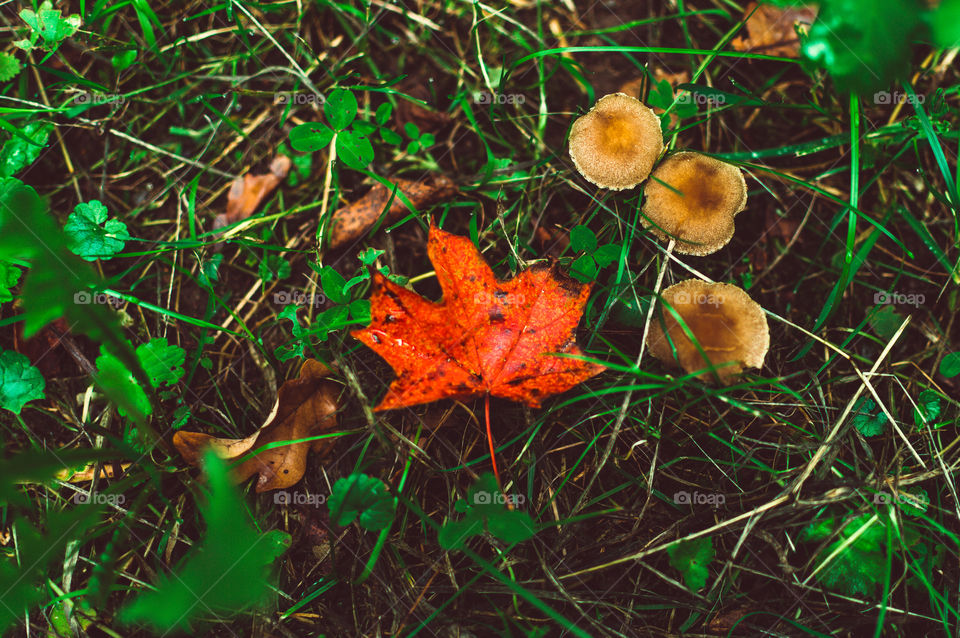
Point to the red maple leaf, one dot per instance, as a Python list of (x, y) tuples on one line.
[(485, 337)]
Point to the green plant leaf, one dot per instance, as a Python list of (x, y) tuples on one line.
[(310, 136), (606, 255), (692, 559), (124, 59), (340, 108), (91, 235), (226, 573), (885, 321), (9, 276), (361, 496), (122, 388), (333, 284), (20, 382), (865, 420), (858, 569), (17, 153), (9, 67), (945, 24), (162, 362), (485, 509), (584, 268), (273, 267), (354, 149), (950, 365), (582, 239), (863, 44), (384, 111), (928, 408)]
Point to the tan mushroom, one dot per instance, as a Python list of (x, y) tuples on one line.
[(729, 326), (615, 145), (693, 198)]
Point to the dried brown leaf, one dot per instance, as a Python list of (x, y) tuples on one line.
[(247, 192), (305, 407), (351, 222), (770, 29)]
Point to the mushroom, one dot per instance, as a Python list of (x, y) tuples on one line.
[(693, 199), (728, 325), (615, 145)]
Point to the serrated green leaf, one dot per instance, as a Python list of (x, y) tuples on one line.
[(17, 153), (9, 67), (928, 408), (9, 276), (340, 108), (867, 422), (484, 509), (91, 236), (20, 382), (162, 362), (361, 496), (692, 558)]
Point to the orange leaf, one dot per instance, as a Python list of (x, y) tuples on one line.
[(485, 337), (306, 406), (351, 222)]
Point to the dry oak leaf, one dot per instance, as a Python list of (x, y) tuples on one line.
[(351, 222), (247, 192), (306, 406), (771, 31), (485, 336)]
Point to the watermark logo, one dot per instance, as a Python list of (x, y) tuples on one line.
[(895, 298), (699, 298), (698, 498), (482, 97), (298, 498), (920, 501), (96, 498), (299, 98), (99, 98), (85, 298), (496, 498), (886, 97), (287, 297), (702, 99), (499, 297)]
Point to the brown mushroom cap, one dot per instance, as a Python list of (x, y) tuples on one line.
[(615, 145), (726, 322), (699, 212)]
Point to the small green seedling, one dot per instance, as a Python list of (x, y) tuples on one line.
[(9, 277), (692, 559), (928, 410), (362, 498), (49, 25), (585, 267), (485, 509), (418, 140), (352, 142)]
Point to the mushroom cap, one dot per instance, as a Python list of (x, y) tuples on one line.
[(699, 213), (616, 143), (729, 326)]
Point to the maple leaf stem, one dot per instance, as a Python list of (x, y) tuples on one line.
[(493, 456)]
